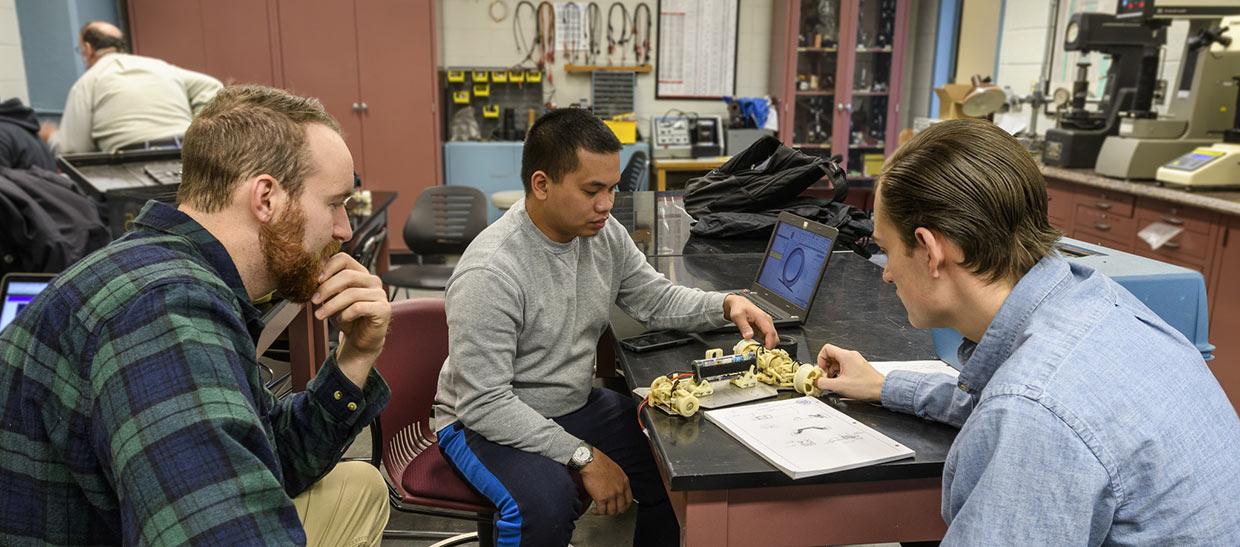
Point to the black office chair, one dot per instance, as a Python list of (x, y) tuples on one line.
[(365, 245), (444, 220), (636, 173)]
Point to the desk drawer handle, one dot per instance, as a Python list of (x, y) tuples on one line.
[(1171, 245), (1102, 226), (1103, 205), (1173, 220)]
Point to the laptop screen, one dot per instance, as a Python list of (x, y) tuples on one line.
[(794, 263), (17, 295)]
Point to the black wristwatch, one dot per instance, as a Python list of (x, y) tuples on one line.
[(581, 457)]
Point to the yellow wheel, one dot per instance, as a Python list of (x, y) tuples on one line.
[(687, 405)]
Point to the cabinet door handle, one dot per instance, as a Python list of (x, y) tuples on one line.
[(1103, 205), (357, 107), (1102, 226), (365, 107), (1173, 220)]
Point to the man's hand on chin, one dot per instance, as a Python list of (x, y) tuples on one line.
[(356, 298)]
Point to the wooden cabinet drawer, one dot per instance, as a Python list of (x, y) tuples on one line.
[(1059, 203), (1185, 246), (1099, 238), (1109, 225), (1189, 218), (1110, 202)]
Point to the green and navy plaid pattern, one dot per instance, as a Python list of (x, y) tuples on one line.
[(132, 410)]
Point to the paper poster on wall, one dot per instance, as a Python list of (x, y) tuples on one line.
[(697, 49)]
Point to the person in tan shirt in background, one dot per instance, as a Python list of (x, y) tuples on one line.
[(125, 101)]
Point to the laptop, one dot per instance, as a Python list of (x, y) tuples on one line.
[(18, 290), (792, 269)]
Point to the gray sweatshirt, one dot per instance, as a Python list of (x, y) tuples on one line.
[(524, 317)]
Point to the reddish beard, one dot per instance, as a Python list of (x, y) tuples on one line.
[(294, 270)]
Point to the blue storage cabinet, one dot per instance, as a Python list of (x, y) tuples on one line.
[(496, 167), (1177, 295)]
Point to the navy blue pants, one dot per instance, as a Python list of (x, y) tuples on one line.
[(536, 496)]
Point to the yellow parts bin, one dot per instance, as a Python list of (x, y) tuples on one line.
[(499, 77), (482, 90), (516, 76), (872, 164), (480, 76), (533, 77), (456, 76), (624, 126), (460, 97), (490, 111)]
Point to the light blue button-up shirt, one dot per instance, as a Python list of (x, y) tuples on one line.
[(1085, 420)]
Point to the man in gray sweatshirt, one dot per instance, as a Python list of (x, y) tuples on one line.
[(526, 306)]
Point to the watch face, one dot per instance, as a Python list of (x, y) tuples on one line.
[(581, 455)]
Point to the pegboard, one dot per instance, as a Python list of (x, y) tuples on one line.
[(520, 97)]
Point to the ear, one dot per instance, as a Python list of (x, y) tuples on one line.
[(539, 183), (265, 197), (936, 250)]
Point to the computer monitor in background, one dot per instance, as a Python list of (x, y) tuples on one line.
[(17, 290)]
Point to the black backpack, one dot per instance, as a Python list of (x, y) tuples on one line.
[(765, 176)]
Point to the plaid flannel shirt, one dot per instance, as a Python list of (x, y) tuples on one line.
[(132, 410)]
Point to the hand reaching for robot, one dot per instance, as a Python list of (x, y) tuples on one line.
[(607, 485), (848, 374), (750, 319)]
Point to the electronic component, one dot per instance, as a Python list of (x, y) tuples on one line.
[(722, 366)]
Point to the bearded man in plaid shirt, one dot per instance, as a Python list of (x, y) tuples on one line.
[(131, 407)]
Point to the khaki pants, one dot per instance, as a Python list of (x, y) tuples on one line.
[(346, 508)]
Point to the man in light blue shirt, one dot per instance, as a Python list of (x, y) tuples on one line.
[(1085, 419)]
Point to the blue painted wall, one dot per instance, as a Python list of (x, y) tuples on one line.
[(945, 43), (49, 35)]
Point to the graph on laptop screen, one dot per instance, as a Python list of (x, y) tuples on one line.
[(792, 265), (18, 295)]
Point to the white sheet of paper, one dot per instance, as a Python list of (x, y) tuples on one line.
[(804, 436), (931, 366)]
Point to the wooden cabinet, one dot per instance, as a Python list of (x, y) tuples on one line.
[(318, 46), (232, 40), (1209, 244), (1061, 205), (370, 62), (1225, 310), (835, 78)]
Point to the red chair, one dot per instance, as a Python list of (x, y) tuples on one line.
[(421, 481)]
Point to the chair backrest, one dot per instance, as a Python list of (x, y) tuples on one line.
[(415, 349), (445, 219), (365, 245), (634, 173), (370, 249)]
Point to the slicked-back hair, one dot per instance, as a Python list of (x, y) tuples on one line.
[(244, 132), (553, 141), (973, 183)]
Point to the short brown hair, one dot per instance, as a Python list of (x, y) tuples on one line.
[(973, 183), (247, 131)]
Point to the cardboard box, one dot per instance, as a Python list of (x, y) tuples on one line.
[(951, 99)]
